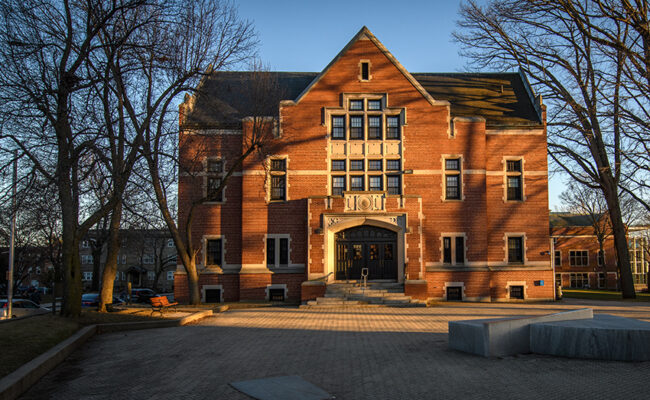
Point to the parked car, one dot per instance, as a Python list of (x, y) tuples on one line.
[(142, 295), (21, 308), (92, 300)]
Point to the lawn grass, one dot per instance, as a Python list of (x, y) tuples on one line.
[(606, 295), (24, 339)]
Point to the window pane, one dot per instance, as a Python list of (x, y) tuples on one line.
[(374, 165), (338, 185), (215, 166), (356, 183), (270, 251), (356, 127), (394, 185), (374, 127), (558, 258), (453, 187), (278, 165), (392, 127), (356, 105), (514, 187), (277, 187), (452, 164), (513, 166), (446, 247), (338, 127), (392, 165), (374, 183), (213, 185), (374, 104), (338, 165), (460, 250), (515, 250), (213, 252), (356, 165), (284, 251)]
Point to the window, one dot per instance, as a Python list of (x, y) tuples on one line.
[(151, 275), (375, 182), (580, 280), (601, 280), (338, 185), (453, 250), (277, 251), (214, 170), (516, 249), (452, 179), (393, 183), (517, 292), (392, 127), (374, 105), (170, 242), (356, 165), (170, 275), (558, 279), (338, 127), (393, 165), (147, 259), (123, 258), (213, 252), (513, 180), (278, 179), (601, 258), (88, 276), (558, 258), (365, 71), (579, 258), (356, 105), (356, 127), (356, 183), (86, 259), (338, 165), (374, 165), (85, 244), (374, 127)]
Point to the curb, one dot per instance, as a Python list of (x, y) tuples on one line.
[(19, 381)]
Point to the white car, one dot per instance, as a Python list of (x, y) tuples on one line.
[(21, 308)]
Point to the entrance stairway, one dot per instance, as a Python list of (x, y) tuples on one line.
[(354, 294)]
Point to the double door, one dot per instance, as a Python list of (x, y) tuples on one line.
[(367, 247)]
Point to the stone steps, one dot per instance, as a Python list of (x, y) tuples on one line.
[(374, 294)]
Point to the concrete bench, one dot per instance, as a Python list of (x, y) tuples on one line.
[(502, 336), (605, 337)]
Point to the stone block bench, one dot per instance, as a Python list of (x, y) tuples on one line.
[(605, 337), (502, 336)]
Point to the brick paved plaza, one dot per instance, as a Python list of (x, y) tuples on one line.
[(352, 353)]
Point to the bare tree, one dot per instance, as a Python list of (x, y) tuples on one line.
[(582, 83)]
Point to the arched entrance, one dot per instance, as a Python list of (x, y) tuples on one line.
[(369, 247)]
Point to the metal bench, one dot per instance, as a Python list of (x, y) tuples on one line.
[(160, 304)]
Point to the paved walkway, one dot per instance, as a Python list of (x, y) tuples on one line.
[(352, 353)]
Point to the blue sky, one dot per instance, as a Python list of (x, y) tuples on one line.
[(305, 36)]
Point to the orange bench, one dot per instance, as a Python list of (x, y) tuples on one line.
[(160, 303)]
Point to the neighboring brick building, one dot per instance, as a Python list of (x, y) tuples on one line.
[(434, 180), (145, 254), (577, 258)]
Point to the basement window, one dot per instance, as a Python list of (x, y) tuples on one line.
[(454, 293), (517, 292)]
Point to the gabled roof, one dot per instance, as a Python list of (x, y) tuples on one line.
[(563, 219)]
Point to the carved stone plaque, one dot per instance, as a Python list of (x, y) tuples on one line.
[(364, 202)]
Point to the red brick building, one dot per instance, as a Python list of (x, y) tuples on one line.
[(436, 181)]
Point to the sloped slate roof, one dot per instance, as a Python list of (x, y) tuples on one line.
[(560, 220), (501, 98)]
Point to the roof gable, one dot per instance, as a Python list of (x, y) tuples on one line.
[(365, 34)]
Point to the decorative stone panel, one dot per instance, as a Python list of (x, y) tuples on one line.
[(365, 202)]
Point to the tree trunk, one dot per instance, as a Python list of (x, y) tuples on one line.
[(97, 258), (112, 250), (193, 282), (71, 306), (620, 242)]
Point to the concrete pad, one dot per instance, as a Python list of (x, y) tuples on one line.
[(605, 337), (502, 336), (290, 387)]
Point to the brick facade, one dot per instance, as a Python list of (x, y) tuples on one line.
[(410, 205)]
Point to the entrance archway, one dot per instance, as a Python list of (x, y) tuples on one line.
[(369, 247)]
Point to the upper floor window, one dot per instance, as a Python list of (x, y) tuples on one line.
[(374, 105), (214, 170), (601, 258), (356, 183), (516, 249), (338, 127), (278, 179), (365, 71), (394, 184), (452, 179), (338, 185), (579, 258), (375, 165), (514, 180), (558, 258), (356, 105), (374, 127), (393, 130), (356, 165), (356, 127), (453, 250), (375, 182), (338, 165), (393, 165)]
